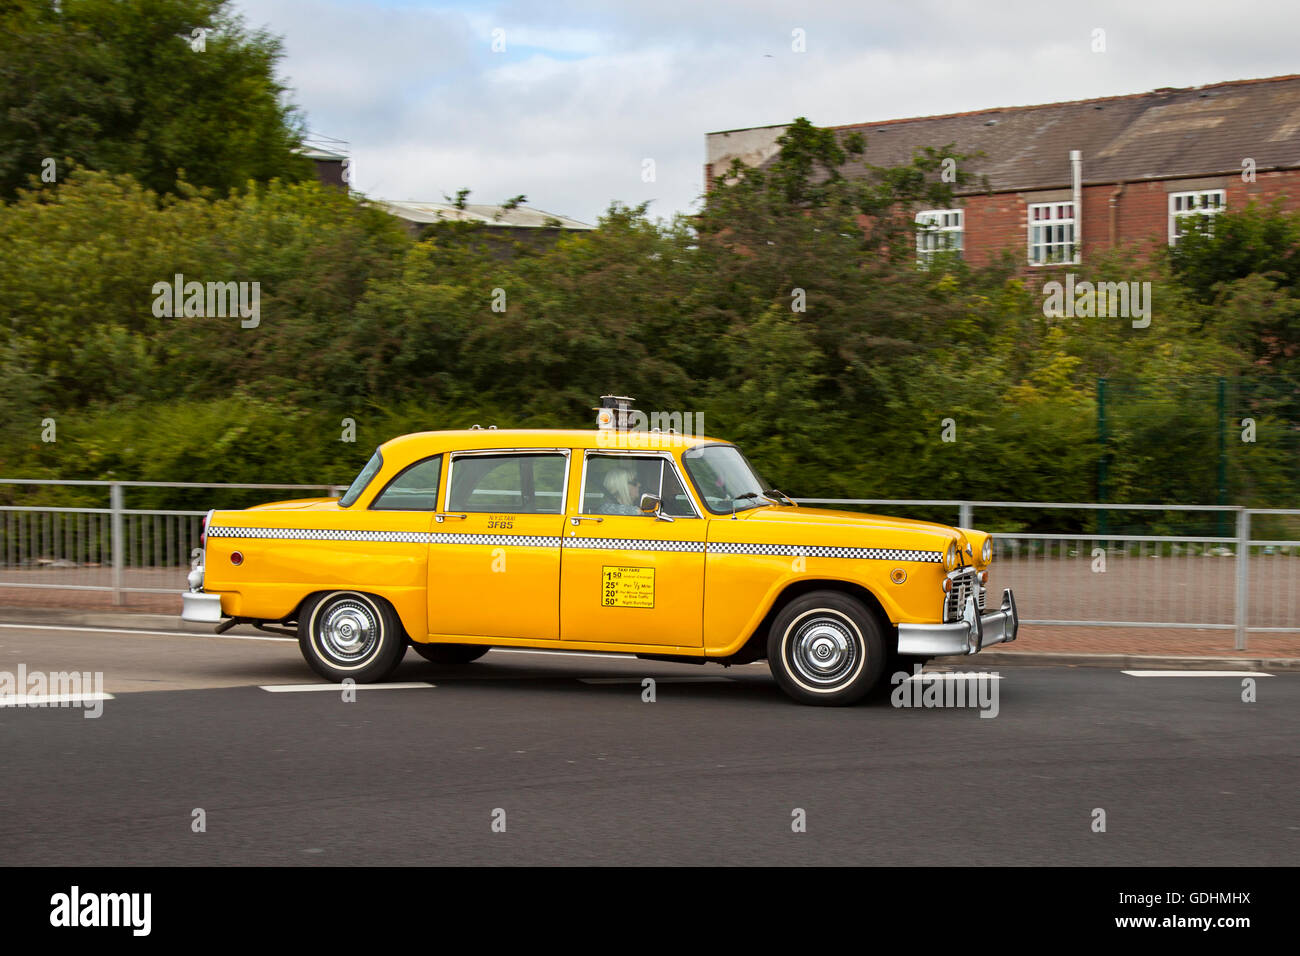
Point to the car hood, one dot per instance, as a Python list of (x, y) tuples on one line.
[(789, 525), (299, 504)]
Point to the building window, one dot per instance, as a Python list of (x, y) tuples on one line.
[(1051, 233), (938, 230), (1206, 203)]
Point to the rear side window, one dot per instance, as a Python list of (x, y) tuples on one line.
[(359, 483), (520, 484), (414, 489)]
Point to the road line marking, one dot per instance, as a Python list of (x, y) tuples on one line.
[(657, 680), (336, 688), (1196, 674), (38, 700), (521, 650), (954, 675), (124, 630)]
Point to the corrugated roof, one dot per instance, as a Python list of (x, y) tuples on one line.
[(1165, 134), (485, 213)]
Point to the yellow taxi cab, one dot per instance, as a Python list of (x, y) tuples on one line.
[(663, 545)]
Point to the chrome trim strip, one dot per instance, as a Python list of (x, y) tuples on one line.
[(453, 457), (629, 453)]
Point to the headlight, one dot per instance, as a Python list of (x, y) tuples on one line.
[(986, 552), (950, 556)]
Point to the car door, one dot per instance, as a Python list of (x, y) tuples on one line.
[(627, 577), (494, 554)]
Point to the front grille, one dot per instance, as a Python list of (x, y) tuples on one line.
[(962, 585)]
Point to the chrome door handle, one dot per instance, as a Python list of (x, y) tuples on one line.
[(440, 518), (576, 519)]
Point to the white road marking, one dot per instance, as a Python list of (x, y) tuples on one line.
[(954, 675), (338, 688), (657, 680), (38, 700), (1196, 674), (124, 630)]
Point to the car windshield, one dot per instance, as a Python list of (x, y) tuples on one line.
[(721, 474), (359, 483)]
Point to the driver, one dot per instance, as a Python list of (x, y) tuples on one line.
[(622, 493)]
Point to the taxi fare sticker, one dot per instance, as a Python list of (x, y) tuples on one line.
[(627, 587)]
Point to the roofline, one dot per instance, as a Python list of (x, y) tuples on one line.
[(1162, 90)]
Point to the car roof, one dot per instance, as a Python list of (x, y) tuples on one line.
[(480, 438)]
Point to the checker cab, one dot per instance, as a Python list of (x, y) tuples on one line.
[(661, 545)]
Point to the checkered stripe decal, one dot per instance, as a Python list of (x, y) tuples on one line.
[(634, 544), (547, 541), (518, 540), (319, 534), (822, 551), (403, 537)]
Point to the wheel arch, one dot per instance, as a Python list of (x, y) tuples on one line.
[(755, 646)]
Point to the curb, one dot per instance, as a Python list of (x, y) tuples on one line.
[(1146, 661), (172, 622)]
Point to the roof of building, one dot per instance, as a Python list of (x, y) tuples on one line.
[(526, 217), (1164, 134)]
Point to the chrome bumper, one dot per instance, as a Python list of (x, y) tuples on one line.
[(970, 635), (201, 608)]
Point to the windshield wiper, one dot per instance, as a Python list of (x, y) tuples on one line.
[(745, 497), (780, 497)]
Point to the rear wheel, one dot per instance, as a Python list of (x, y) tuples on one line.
[(346, 634), (826, 648), (450, 654)]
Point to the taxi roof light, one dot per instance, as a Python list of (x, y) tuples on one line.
[(614, 412)]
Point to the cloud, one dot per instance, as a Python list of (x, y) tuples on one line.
[(584, 93)]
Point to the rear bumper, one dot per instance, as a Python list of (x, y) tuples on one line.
[(200, 607), (970, 635)]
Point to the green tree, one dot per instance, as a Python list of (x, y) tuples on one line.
[(162, 90)]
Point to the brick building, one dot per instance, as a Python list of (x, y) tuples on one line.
[(1066, 180)]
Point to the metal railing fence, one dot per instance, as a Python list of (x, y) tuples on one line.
[(1152, 566)]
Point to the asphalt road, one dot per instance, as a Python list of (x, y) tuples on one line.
[(711, 772)]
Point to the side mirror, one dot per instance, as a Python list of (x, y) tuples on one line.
[(652, 505)]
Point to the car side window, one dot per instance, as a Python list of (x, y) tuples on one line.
[(615, 483), (519, 484), (415, 488)]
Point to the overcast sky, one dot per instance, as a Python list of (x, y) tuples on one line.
[(584, 92)]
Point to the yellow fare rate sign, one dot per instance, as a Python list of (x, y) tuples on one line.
[(627, 587)]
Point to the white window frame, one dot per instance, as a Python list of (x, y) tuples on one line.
[(1194, 203), (939, 230), (1057, 216)]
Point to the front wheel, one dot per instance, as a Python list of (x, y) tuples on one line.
[(348, 634), (826, 648)]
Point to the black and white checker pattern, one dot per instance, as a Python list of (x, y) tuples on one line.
[(517, 540), (319, 534), (824, 551), (548, 541), (634, 544)]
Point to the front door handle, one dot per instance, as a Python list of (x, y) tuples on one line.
[(440, 518), (576, 519)]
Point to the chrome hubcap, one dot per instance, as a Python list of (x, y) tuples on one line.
[(824, 651), (349, 630)]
